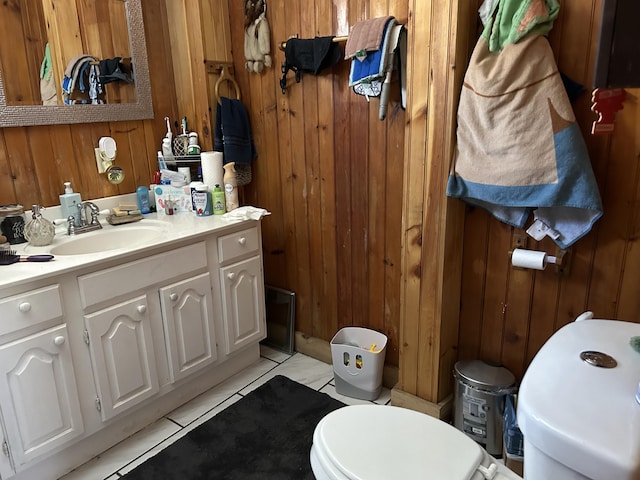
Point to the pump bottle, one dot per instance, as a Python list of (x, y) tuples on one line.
[(69, 202), (230, 186)]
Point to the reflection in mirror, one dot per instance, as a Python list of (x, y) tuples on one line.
[(33, 88)]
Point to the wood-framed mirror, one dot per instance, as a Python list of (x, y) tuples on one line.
[(106, 29)]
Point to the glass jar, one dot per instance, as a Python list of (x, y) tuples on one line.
[(12, 223), (39, 231)]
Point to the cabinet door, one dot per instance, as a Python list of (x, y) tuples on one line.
[(122, 357), (38, 395), (6, 465), (243, 303), (188, 316)]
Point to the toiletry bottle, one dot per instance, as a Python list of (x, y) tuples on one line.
[(69, 202), (230, 186), (218, 201), (202, 201), (142, 194)]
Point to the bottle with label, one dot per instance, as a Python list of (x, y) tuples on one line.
[(202, 201), (219, 201), (230, 186), (142, 195), (69, 202)]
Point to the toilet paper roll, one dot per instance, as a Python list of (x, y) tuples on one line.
[(212, 171), (529, 259)]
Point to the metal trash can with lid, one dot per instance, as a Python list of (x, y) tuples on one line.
[(480, 391)]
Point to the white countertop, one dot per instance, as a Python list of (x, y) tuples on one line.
[(174, 228)]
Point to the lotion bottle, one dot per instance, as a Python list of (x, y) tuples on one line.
[(69, 202), (219, 201), (142, 194), (230, 186)]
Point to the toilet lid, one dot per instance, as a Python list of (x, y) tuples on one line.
[(371, 442)]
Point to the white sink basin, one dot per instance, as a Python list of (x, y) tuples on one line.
[(110, 238)]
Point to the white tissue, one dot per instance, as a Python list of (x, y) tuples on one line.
[(529, 259), (212, 172), (247, 213)]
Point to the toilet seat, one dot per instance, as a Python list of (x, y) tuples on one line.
[(374, 442)]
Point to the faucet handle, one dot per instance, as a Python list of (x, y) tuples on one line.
[(71, 225)]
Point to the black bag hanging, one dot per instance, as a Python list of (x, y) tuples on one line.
[(308, 55)]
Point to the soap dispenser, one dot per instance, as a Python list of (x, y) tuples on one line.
[(69, 202)]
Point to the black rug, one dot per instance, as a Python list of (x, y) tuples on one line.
[(267, 435)]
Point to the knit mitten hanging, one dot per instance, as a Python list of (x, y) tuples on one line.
[(257, 42)]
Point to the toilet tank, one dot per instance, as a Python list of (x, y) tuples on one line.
[(581, 420)]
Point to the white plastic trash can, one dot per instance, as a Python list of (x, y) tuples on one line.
[(358, 360)]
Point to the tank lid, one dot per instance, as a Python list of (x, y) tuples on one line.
[(580, 409), (483, 375)]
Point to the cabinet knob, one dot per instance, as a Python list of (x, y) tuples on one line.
[(59, 340), (231, 275), (242, 241), (24, 307), (141, 308), (173, 296)]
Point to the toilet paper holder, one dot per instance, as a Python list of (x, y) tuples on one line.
[(540, 260)]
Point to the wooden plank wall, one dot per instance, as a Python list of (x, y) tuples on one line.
[(331, 174), (35, 161), (507, 314)]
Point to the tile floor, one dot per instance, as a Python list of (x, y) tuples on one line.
[(133, 451)]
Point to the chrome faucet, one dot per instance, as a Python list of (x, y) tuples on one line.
[(86, 224)]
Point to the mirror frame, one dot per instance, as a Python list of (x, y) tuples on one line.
[(141, 109)]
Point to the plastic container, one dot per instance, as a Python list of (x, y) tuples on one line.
[(201, 199), (512, 436), (358, 360), (480, 392), (230, 186), (219, 201), (12, 223), (69, 202), (142, 195)]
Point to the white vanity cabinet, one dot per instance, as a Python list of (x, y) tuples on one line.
[(242, 282), (119, 339), (120, 336), (39, 403)]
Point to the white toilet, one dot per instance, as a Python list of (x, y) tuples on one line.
[(577, 405), (579, 420), (375, 442)]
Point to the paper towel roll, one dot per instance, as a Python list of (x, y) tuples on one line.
[(212, 171), (529, 259)]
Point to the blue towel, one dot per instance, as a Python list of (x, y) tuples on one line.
[(373, 66), (232, 134)]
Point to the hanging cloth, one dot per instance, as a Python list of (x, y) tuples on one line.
[(508, 21), (519, 149), (308, 55), (47, 82)]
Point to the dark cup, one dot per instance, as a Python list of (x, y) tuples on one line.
[(13, 228)]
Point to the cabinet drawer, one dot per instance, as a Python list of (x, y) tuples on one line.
[(30, 308), (237, 244), (106, 284)]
